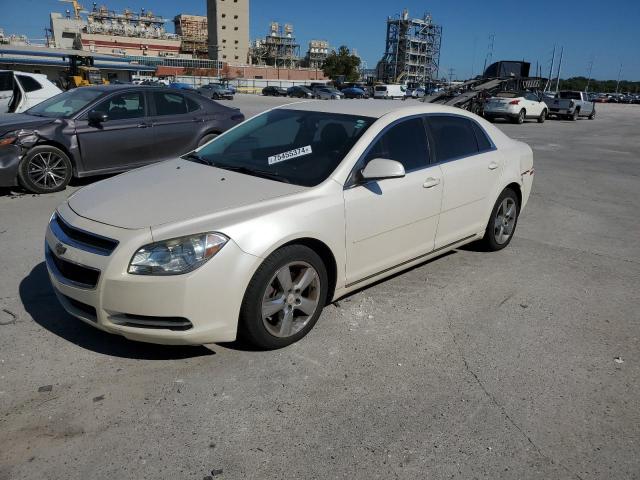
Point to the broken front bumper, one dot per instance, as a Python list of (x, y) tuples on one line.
[(9, 162)]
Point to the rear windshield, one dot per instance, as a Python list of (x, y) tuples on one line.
[(569, 95), (293, 146), (381, 88), (507, 94)]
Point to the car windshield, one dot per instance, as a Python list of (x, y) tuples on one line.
[(292, 146), (66, 104)]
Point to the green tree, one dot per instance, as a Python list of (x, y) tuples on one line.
[(342, 64)]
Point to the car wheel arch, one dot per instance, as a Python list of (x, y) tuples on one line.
[(518, 191), (64, 148)]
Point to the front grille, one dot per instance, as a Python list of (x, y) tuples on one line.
[(144, 321), (81, 239), (83, 307), (77, 275)]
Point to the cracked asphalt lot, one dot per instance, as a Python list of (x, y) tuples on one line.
[(521, 364)]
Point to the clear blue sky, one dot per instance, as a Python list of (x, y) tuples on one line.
[(607, 32)]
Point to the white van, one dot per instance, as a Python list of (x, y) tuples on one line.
[(20, 91), (389, 91)]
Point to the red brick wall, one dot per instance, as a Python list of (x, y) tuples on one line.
[(272, 73)]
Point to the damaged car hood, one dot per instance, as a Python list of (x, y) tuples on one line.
[(172, 191), (21, 121)]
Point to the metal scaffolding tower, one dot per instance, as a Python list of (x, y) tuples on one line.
[(412, 52), (278, 49)]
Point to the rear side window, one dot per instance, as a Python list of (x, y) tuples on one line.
[(6, 81), (169, 103), (28, 84), (405, 142), (484, 144), (453, 137)]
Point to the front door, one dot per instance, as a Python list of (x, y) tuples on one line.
[(393, 221), (123, 141)]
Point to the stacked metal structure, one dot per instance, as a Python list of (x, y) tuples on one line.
[(412, 53), (193, 31), (145, 24), (279, 48), (317, 53)]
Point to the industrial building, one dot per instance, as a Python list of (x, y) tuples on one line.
[(228, 24), (194, 35), (279, 48), (318, 52), (412, 53)]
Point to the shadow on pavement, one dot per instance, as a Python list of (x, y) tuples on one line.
[(39, 300)]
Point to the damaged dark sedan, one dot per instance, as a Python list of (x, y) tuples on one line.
[(104, 129)]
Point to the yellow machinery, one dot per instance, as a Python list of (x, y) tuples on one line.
[(81, 73)]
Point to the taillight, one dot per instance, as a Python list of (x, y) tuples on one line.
[(514, 102)]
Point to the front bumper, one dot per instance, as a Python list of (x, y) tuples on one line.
[(9, 162), (208, 299)]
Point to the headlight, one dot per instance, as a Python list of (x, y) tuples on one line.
[(176, 256), (10, 137)]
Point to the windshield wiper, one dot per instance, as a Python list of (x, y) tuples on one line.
[(255, 173), (197, 158)]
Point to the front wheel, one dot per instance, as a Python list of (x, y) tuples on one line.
[(45, 169), (284, 298), (503, 221), (593, 114)]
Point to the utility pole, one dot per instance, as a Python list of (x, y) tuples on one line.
[(489, 56), (451, 70), (473, 58), (559, 66), (553, 60), (589, 77), (618, 82)]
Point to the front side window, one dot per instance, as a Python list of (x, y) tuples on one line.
[(67, 104), (168, 103), (405, 142), (453, 137), (292, 146), (123, 106)]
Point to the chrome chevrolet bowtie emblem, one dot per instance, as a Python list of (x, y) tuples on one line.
[(60, 249)]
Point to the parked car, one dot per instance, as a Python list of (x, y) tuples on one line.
[(215, 91), (181, 86), (227, 85), (273, 91), (104, 129), (299, 91), (389, 91), (515, 106), (419, 92), (328, 93), (254, 233), (571, 104), (354, 92), (20, 91)]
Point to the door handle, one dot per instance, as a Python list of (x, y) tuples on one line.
[(493, 166), (431, 182)]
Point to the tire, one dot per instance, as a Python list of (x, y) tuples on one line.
[(593, 114), (266, 328), (495, 239), (576, 114), (543, 116), (520, 118), (206, 138), (49, 161)]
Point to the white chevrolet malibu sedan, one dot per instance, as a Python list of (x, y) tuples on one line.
[(254, 233)]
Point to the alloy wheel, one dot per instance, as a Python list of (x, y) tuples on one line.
[(291, 299), (47, 170), (505, 221)]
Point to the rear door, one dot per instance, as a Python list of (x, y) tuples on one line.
[(471, 173), (125, 140), (6, 90), (393, 221), (32, 92), (177, 121)]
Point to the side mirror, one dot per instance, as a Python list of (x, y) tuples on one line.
[(96, 118), (381, 168)]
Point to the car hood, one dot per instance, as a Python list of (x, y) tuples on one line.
[(172, 191), (17, 121)]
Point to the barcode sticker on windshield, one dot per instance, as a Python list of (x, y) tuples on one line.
[(298, 152)]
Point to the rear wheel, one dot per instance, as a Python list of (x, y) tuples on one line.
[(576, 114), (593, 114), (284, 298), (207, 138), (503, 221), (45, 169), (543, 116), (520, 118)]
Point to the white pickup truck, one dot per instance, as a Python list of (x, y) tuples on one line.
[(571, 104)]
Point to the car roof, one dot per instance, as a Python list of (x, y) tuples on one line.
[(369, 108)]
